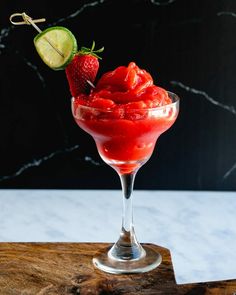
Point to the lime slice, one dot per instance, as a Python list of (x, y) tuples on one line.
[(56, 46)]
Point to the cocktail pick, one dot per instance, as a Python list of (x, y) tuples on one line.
[(27, 20)]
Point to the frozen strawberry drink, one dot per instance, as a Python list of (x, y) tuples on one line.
[(125, 113)]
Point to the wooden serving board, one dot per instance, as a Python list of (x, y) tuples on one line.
[(66, 268)]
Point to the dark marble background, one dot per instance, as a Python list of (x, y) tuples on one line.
[(189, 47)]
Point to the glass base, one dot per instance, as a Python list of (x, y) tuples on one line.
[(150, 260)]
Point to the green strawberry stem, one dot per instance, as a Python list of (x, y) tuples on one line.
[(91, 51)]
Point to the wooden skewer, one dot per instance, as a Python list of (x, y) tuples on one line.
[(27, 20)]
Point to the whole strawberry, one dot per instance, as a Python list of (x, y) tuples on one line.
[(82, 70)]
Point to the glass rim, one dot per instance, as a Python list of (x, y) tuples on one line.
[(175, 102)]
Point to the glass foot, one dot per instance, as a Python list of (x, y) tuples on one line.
[(150, 260)]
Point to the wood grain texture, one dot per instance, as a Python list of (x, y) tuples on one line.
[(66, 268)]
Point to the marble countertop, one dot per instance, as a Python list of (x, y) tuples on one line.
[(198, 227)]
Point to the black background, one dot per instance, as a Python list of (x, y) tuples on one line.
[(189, 47)]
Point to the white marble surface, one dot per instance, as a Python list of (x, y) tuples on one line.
[(198, 227)]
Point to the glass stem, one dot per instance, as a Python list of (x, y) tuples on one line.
[(127, 182), (127, 247)]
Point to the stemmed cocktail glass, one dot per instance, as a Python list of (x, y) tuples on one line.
[(125, 139), (125, 136)]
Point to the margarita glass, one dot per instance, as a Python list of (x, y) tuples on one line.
[(125, 113), (125, 140)]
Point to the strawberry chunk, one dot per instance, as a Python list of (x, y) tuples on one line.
[(102, 103)]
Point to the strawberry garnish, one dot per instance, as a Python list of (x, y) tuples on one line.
[(82, 70)]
